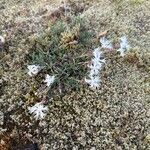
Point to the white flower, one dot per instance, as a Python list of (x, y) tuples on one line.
[(97, 53), (105, 43), (38, 110), (2, 40), (94, 82), (95, 64), (124, 43), (121, 51), (49, 80), (123, 46), (95, 67), (94, 72), (33, 69)]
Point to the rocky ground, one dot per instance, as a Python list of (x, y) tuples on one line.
[(114, 117)]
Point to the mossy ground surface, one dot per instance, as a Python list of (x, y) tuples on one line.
[(115, 117)]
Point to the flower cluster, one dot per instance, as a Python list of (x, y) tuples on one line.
[(38, 110), (97, 61), (105, 43), (95, 68), (34, 70)]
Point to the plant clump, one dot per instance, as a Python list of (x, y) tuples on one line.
[(62, 52)]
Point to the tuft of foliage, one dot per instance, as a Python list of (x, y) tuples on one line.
[(62, 52)]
